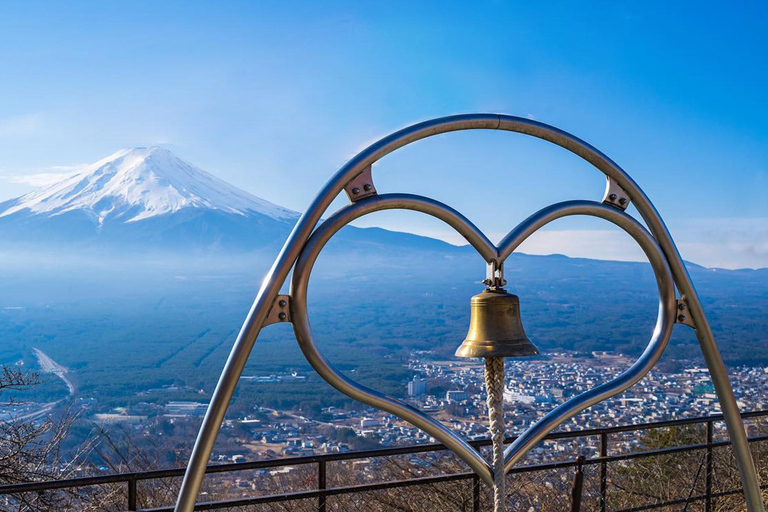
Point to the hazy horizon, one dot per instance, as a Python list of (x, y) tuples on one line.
[(673, 95)]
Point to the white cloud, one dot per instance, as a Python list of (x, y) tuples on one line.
[(723, 243), (596, 244), (19, 125), (42, 179), (47, 177), (727, 243), (67, 168)]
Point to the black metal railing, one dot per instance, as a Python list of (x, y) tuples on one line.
[(323, 492)]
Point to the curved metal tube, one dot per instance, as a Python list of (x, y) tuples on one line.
[(303, 330), (665, 320), (429, 206), (277, 275)]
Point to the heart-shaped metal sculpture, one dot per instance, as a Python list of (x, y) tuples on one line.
[(305, 243), (313, 247)]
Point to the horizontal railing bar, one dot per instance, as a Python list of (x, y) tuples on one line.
[(301, 495), (667, 451), (87, 481), (335, 491), (389, 452), (731, 492), (652, 506), (681, 501), (652, 425)]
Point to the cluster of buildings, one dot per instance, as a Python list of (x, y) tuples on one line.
[(453, 391), (535, 387)]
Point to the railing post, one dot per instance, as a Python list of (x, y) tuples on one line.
[(475, 493), (321, 484), (131, 494), (603, 473), (710, 465), (578, 485)]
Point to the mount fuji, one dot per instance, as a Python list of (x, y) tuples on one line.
[(141, 183), (148, 198)]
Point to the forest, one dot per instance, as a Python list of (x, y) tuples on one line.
[(141, 332)]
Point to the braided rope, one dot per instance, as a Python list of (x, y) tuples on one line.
[(494, 384)]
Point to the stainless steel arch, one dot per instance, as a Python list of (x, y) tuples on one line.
[(301, 327), (277, 275), (303, 331), (661, 332)]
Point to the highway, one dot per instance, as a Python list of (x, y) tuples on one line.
[(48, 365)]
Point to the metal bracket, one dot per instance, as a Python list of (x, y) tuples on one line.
[(494, 275), (683, 316), (361, 186), (280, 311), (615, 195)]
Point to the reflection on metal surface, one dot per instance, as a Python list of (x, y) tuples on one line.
[(661, 333), (306, 340), (307, 240)]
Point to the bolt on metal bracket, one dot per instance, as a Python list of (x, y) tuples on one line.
[(615, 195), (494, 275), (361, 186), (280, 311), (683, 316)]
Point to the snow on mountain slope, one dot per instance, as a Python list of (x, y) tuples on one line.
[(146, 199), (137, 184)]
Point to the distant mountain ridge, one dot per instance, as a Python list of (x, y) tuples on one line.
[(147, 199)]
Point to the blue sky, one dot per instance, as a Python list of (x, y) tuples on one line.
[(274, 97)]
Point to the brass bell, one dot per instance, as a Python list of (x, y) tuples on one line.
[(495, 328)]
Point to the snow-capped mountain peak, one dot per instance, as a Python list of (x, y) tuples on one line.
[(136, 184)]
